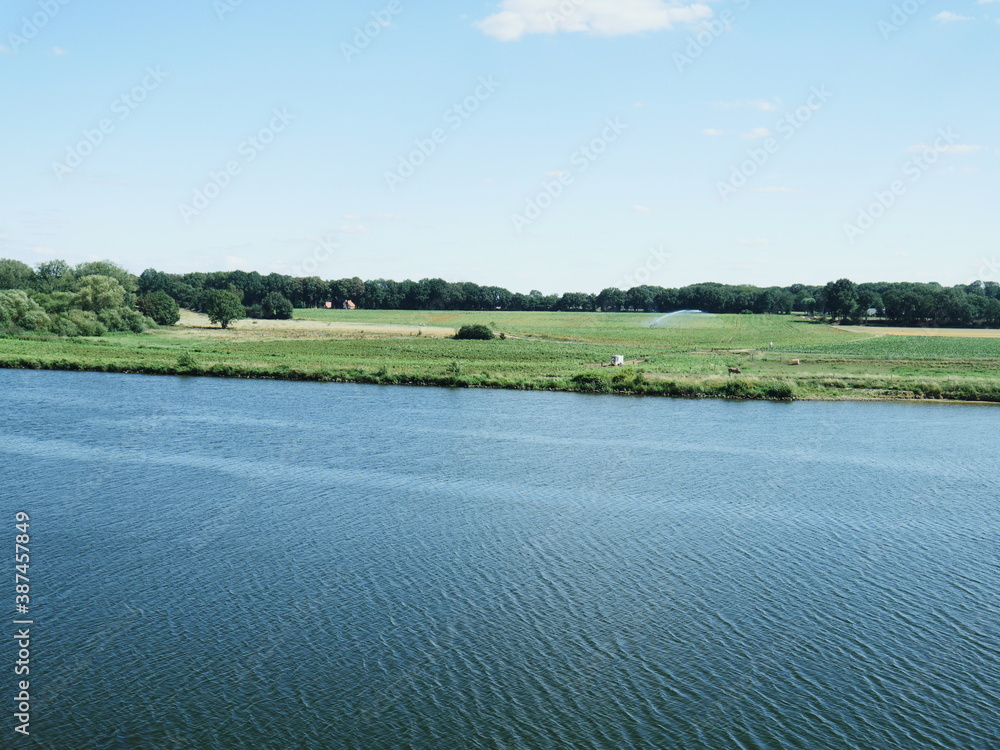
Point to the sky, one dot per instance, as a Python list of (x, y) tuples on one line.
[(558, 145)]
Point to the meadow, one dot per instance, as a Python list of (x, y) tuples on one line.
[(677, 355)]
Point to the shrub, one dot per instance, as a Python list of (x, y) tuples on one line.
[(124, 319), (186, 360), (19, 311), (479, 332), (78, 323)]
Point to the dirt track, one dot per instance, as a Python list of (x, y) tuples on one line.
[(197, 324)]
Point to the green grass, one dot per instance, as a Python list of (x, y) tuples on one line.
[(686, 356), (911, 347)]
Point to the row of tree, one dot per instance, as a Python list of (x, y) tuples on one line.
[(901, 303), (62, 292)]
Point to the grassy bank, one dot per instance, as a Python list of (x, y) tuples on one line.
[(685, 356)]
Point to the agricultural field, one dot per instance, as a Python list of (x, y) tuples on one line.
[(685, 354)]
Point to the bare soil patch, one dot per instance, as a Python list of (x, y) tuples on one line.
[(194, 324)]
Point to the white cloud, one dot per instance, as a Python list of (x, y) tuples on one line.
[(755, 242), (352, 217), (642, 209), (757, 133), (5, 50), (960, 149), (762, 104), (713, 131), (605, 17), (778, 189), (947, 16), (386, 217), (59, 51)]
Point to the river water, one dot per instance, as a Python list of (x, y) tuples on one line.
[(258, 564)]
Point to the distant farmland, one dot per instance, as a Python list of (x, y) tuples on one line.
[(684, 355)]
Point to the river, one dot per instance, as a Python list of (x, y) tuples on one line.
[(264, 564)]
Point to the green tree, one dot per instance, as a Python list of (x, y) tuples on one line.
[(97, 293), (15, 275), (224, 308), (611, 299), (841, 298), (129, 282), (53, 276), (276, 307), (160, 306)]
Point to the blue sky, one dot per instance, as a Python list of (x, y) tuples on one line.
[(559, 145)]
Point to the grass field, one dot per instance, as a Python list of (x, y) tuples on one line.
[(678, 355)]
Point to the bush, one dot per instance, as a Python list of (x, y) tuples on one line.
[(479, 332), (78, 323), (19, 311), (186, 360), (124, 319)]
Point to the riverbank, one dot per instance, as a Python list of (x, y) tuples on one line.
[(689, 357)]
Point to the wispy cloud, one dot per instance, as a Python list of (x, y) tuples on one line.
[(960, 149), (762, 104), (642, 209), (757, 133), (713, 131), (5, 50), (777, 189), (946, 16), (59, 51), (516, 18)]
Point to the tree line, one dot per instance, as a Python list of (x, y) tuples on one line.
[(899, 303), (97, 297)]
